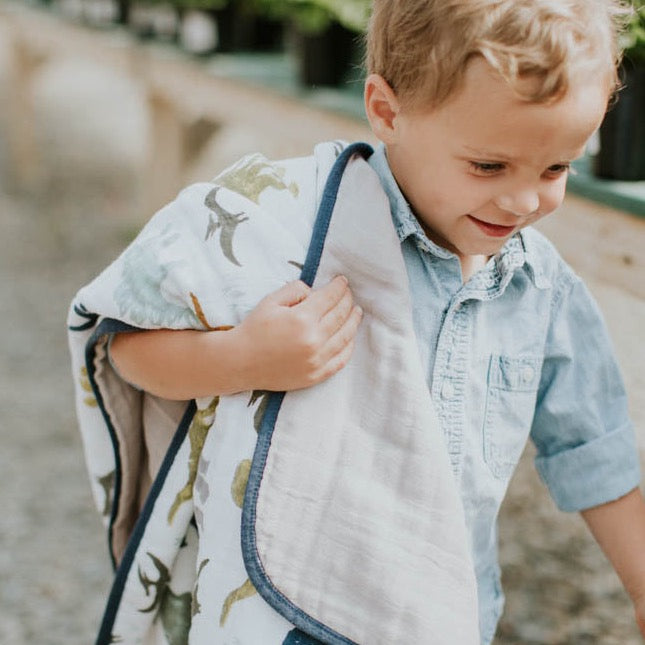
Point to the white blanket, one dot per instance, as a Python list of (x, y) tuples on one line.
[(350, 528)]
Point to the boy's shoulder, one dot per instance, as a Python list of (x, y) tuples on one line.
[(254, 176), (276, 190)]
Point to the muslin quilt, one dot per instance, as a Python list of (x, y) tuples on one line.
[(328, 514)]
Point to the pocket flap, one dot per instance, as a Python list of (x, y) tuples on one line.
[(515, 374)]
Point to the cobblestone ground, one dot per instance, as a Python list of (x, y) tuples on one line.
[(52, 552), (54, 569)]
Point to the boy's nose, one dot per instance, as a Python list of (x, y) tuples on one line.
[(521, 203)]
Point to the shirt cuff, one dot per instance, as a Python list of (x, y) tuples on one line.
[(596, 472)]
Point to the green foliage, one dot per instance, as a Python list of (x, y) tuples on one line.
[(633, 40), (192, 4), (314, 16), (352, 14), (311, 16)]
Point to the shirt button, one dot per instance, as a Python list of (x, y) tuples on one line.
[(447, 390), (528, 374)]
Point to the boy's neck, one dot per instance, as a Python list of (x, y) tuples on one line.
[(470, 264)]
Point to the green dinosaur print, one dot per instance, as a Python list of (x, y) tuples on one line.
[(226, 221), (252, 175), (240, 480), (197, 433), (174, 610), (84, 380), (263, 395), (107, 484), (139, 295), (238, 488), (246, 590), (196, 608)]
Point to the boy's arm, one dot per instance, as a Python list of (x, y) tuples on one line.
[(294, 338), (619, 528)]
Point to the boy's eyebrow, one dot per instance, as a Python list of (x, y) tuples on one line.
[(500, 156), (488, 154)]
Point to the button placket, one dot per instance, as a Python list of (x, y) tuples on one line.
[(449, 379), (447, 390)]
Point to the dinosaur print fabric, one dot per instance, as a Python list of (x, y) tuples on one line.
[(217, 537)]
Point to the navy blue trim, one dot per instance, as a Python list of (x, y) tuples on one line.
[(327, 204), (105, 328), (114, 600), (296, 637), (252, 562)]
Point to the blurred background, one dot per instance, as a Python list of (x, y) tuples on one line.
[(110, 107)]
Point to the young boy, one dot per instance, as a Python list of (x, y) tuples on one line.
[(481, 106)]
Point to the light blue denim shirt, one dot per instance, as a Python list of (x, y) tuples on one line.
[(519, 350)]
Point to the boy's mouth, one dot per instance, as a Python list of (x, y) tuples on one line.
[(494, 230)]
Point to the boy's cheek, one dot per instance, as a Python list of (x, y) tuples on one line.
[(553, 198)]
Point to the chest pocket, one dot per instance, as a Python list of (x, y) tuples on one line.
[(510, 405)]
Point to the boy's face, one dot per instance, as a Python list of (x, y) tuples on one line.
[(485, 163)]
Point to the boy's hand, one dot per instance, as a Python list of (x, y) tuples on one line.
[(619, 528), (297, 336)]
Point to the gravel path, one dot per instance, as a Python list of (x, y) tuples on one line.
[(53, 560)]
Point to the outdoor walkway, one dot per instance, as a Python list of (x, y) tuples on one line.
[(90, 123)]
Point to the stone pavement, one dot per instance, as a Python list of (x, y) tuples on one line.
[(54, 572)]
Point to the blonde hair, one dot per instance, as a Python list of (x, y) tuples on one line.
[(422, 47)]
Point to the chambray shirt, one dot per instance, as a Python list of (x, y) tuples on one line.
[(519, 350)]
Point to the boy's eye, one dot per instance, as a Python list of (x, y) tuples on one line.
[(558, 169), (486, 167)]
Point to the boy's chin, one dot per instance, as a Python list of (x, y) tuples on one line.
[(474, 248), (486, 249)]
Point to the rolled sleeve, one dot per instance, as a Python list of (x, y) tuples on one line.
[(583, 477), (587, 452)]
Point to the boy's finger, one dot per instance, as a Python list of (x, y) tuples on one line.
[(320, 301), (336, 317), (290, 294), (344, 336), (338, 361)]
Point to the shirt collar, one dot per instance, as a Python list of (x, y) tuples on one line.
[(513, 255)]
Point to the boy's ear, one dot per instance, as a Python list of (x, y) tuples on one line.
[(381, 107)]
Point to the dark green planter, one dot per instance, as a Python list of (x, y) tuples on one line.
[(622, 133), (123, 12), (240, 30), (325, 58)]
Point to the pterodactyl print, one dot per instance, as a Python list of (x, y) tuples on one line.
[(226, 221)]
